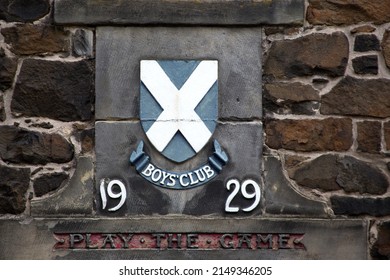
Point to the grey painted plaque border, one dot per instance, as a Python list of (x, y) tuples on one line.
[(175, 12)]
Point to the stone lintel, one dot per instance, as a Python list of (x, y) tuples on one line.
[(175, 12), (75, 238)]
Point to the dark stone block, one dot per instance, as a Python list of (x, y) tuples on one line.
[(7, 70), (365, 43), (22, 10), (316, 54), (381, 248), (20, 145), (369, 136), (2, 109), (202, 12), (54, 89), (386, 47), (48, 183), (309, 135), (333, 172), (358, 97), (365, 64), (353, 206), (14, 184)]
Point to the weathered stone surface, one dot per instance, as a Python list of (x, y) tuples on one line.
[(365, 64), (386, 132), (354, 206), (381, 248), (365, 43), (369, 136), (31, 39), (295, 92), (33, 239), (48, 183), (239, 140), (316, 54), (202, 12), (309, 135), (14, 183), (334, 172), (76, 198), (2, 109), (358, 97), (280, 29), (386, 47), (236, 49), (87, 138), (320, 173), (83, 43), (345, 12), (22, 10), (54, 89), (281, 198), (295, 98), (7, 70), (363, 29), (20, 145)]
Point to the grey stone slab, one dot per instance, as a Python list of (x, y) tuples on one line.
[(116, 140), (120, 50), (281, 198), (322, 239), (75, 198), (188, 12)]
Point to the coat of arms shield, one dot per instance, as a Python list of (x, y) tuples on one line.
[(179, 105)]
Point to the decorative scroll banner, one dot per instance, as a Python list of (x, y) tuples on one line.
[(178, 180)]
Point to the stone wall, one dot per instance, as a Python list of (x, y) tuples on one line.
[(326, 102)]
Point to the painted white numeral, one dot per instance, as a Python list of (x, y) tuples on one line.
[(122, 194), (236, 184), (256, 194)]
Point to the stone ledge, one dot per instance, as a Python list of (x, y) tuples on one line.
[(322, 238), (172, 12)]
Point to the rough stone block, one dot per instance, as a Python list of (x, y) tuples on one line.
[(120, 50), (358, 97), (365, 64), (23, 11), (347, 12), (240, 142), (365, 43), (48, 183), (334, 172), (7, 70), (387, 135), (316, 54), (19, 145), (14, 184), (31, 39), (386, 47), (2, 109), (353, 206), (381, 248), (54, 89), (309, 135), (202, 12), (369, 136)]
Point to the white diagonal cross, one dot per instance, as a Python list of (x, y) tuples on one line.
[(179, 105)]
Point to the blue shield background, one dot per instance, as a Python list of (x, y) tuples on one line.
[(179, 71)]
